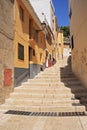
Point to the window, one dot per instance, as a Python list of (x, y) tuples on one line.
[(60, 44), (70, 13), (50, 56), (21, 13), (20, 51), (32, 31), (72, 42), (35, 34), (30, 53), (48, 38), (53, 20), (12, 1), (30, 28)]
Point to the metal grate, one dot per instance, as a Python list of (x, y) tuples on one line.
[(52, 114)]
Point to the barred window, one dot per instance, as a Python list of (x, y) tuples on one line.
[(21, 13), (20, 51), (72, 42), (12, 1)]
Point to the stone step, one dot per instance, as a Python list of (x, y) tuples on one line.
[(52, 81), (83, 100), (57, 78), (78, 90), (33, 96), (67, 76), (46, 84), (43, 80), (54, 90), (70, 83), (42, 102), (50, 76), (80, 95), (67, 83), (58, 85), (55, 73), (43, 91), (44, 108), (72, 87)]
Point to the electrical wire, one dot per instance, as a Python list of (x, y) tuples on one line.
[(6, 34)]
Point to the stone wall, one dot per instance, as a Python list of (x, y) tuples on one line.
[(78, 29), (6, 48)]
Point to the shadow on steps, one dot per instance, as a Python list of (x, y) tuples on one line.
[(72, 82)]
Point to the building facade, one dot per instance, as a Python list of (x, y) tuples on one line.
[(29, 42), (6, 48), (46, 12), (56, 30), (78, 30), (60, 45)]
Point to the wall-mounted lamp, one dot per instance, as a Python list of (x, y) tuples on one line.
[(43, 25)]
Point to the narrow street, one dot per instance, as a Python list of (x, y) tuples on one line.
[(53, 100), (43, 65)]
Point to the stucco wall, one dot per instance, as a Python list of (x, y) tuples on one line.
[(22, 36), (6, 46), (60, 45), (45, 7), (78, 28)]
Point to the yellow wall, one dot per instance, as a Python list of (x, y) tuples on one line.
[(78, 28), (49, 47), (60, 41), (21, 35), (40, 46)]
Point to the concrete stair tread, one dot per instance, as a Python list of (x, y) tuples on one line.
[(44, 88), (44, 108), (53, 90), (54, 77), (50, 88), (23, 96), (44, 94), (51, 84), (42, 100), (37, 90), (46, 104), (82, 94), (42, 103), (58, 86)]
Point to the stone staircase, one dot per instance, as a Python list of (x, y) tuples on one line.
[(55, 89)]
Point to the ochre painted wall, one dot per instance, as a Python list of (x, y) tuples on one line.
[(78, 29), (60, 44), (21, 35)]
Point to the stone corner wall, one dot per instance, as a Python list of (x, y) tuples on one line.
[(6, 48)]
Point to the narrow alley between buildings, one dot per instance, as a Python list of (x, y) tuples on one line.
[(53, 100), (43, 65)]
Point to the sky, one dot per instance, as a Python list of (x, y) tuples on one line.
[(61, 11)]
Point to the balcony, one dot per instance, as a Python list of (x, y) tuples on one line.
[(33, 40)]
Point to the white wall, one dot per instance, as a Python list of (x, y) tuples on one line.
[(43, 6)]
